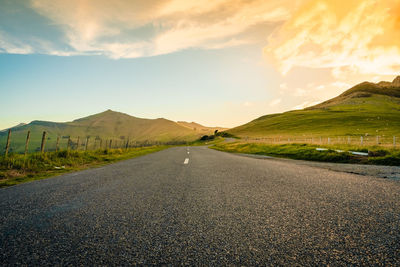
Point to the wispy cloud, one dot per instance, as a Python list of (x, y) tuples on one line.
[(275, 102), (129, 29), (13, 46), (359, 37)]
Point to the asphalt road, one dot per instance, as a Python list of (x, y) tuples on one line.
[(218, 209)]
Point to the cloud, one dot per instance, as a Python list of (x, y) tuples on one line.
[(13, 46), (136, 28), (275, 102), (359, 37), (340, 85)]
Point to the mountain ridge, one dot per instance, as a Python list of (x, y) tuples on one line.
[(365, 89), (105, 125)]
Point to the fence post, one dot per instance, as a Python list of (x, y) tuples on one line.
[(348, 140), (361, 140), (8, 142), (43, 142), (329, 140), (101, 142), (127, 144), (110, 143), (394, 141), (377, 139), (87, 141), (77, 143), (28, 135), (57, 143), (68, 142)]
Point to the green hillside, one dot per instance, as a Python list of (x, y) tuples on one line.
[(365, 109), (105, 125)]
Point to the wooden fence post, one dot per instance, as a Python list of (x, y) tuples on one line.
[(77, 143), (394, 141), (348, 140), (57, 143), (329, 140), (27, 142), (43, 142), (361, 140), (377, 139), (87, 141), (68, 142), (110, 143), (127, 144), (8, 142)]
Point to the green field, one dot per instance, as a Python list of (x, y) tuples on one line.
[(16, 168), (364, 110)]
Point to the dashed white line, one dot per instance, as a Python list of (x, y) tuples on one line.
[(186, 161), (188, 152)]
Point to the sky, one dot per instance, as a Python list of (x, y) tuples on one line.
[(218, 63)]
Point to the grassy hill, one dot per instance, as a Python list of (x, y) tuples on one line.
[(366, 109), (200, 128), (105, 125)]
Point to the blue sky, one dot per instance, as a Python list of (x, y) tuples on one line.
[(194, 85), (219, 63)]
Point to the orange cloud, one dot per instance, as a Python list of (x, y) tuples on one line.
[(360, 37)]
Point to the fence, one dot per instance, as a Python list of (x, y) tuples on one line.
[(78, 143), (384, 141)]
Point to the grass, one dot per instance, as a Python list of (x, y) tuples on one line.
[(16, 168), (377, 155), (375, 115), (213, 141), (106, 125)]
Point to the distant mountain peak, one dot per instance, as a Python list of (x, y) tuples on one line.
[(396, 81)]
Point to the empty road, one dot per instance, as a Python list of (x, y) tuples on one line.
[(199, 206)]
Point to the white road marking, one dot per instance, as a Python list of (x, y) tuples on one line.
[(188, 152), (186, 161)]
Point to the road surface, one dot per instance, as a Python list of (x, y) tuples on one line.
[(199, 206)]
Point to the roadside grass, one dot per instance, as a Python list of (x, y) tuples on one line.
[(377, 155), (16, 168), (215, 140)]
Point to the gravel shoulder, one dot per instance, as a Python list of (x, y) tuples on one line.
[(390, 172)]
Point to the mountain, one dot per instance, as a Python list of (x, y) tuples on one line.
[(106, 125), (18, 125), (365, 109), (200, 128)]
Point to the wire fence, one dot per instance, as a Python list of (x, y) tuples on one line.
[(53, 142), (384, 141)]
